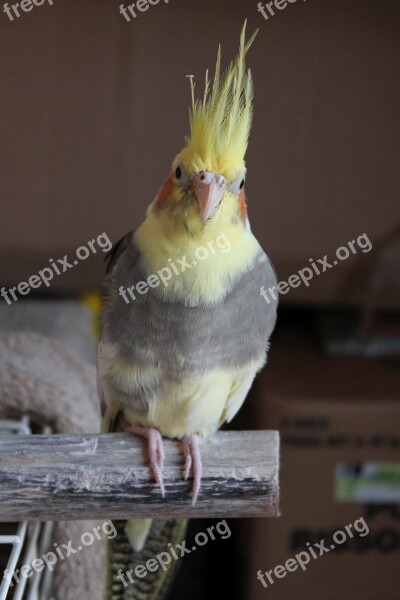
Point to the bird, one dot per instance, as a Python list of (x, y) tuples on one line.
[(184, 327)]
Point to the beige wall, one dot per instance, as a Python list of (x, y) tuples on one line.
[(93, 110)]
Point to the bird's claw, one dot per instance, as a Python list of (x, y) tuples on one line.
[(191, 448), (155, 450)]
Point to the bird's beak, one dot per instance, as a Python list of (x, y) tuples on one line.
[(209, 188)]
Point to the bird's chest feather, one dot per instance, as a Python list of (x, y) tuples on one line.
[(189, 340)]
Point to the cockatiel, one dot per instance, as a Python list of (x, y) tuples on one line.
[(178, 355)]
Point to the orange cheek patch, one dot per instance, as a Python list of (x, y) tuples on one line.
[(242, 204), (165, 191)]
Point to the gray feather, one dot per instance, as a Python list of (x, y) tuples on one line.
[(151, 332)]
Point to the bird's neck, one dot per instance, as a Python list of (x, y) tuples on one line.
[(202, 263)]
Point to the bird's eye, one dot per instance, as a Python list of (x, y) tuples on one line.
[(178, 172), (241, 184)]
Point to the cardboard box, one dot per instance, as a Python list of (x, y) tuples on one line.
[(336, 449)]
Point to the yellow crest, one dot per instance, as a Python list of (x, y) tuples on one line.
[(220, 122)]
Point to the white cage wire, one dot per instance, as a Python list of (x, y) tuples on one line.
[(21, 543)]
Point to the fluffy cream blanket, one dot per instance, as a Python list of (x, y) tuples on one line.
[(47, 373)]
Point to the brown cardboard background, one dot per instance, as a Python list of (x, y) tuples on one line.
[(327, 410), (307, 503)]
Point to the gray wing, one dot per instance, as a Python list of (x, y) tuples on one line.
[(119, 248), (150, 331)]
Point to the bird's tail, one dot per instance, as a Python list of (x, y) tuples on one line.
[(127, 575)]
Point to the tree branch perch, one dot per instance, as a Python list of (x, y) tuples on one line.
[(65, 477)]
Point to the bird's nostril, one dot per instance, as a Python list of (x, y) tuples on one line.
[(202, 177)]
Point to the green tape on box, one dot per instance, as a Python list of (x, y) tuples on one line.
[(368, 482)]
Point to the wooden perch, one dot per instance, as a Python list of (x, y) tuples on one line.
[(64, 477)]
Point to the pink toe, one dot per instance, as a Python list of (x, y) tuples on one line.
[(191, 445), (155, 450)]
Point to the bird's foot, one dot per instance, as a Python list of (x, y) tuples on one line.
[(155, 450), (191, 448)]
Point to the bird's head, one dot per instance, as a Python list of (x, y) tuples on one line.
[(208, 175)]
